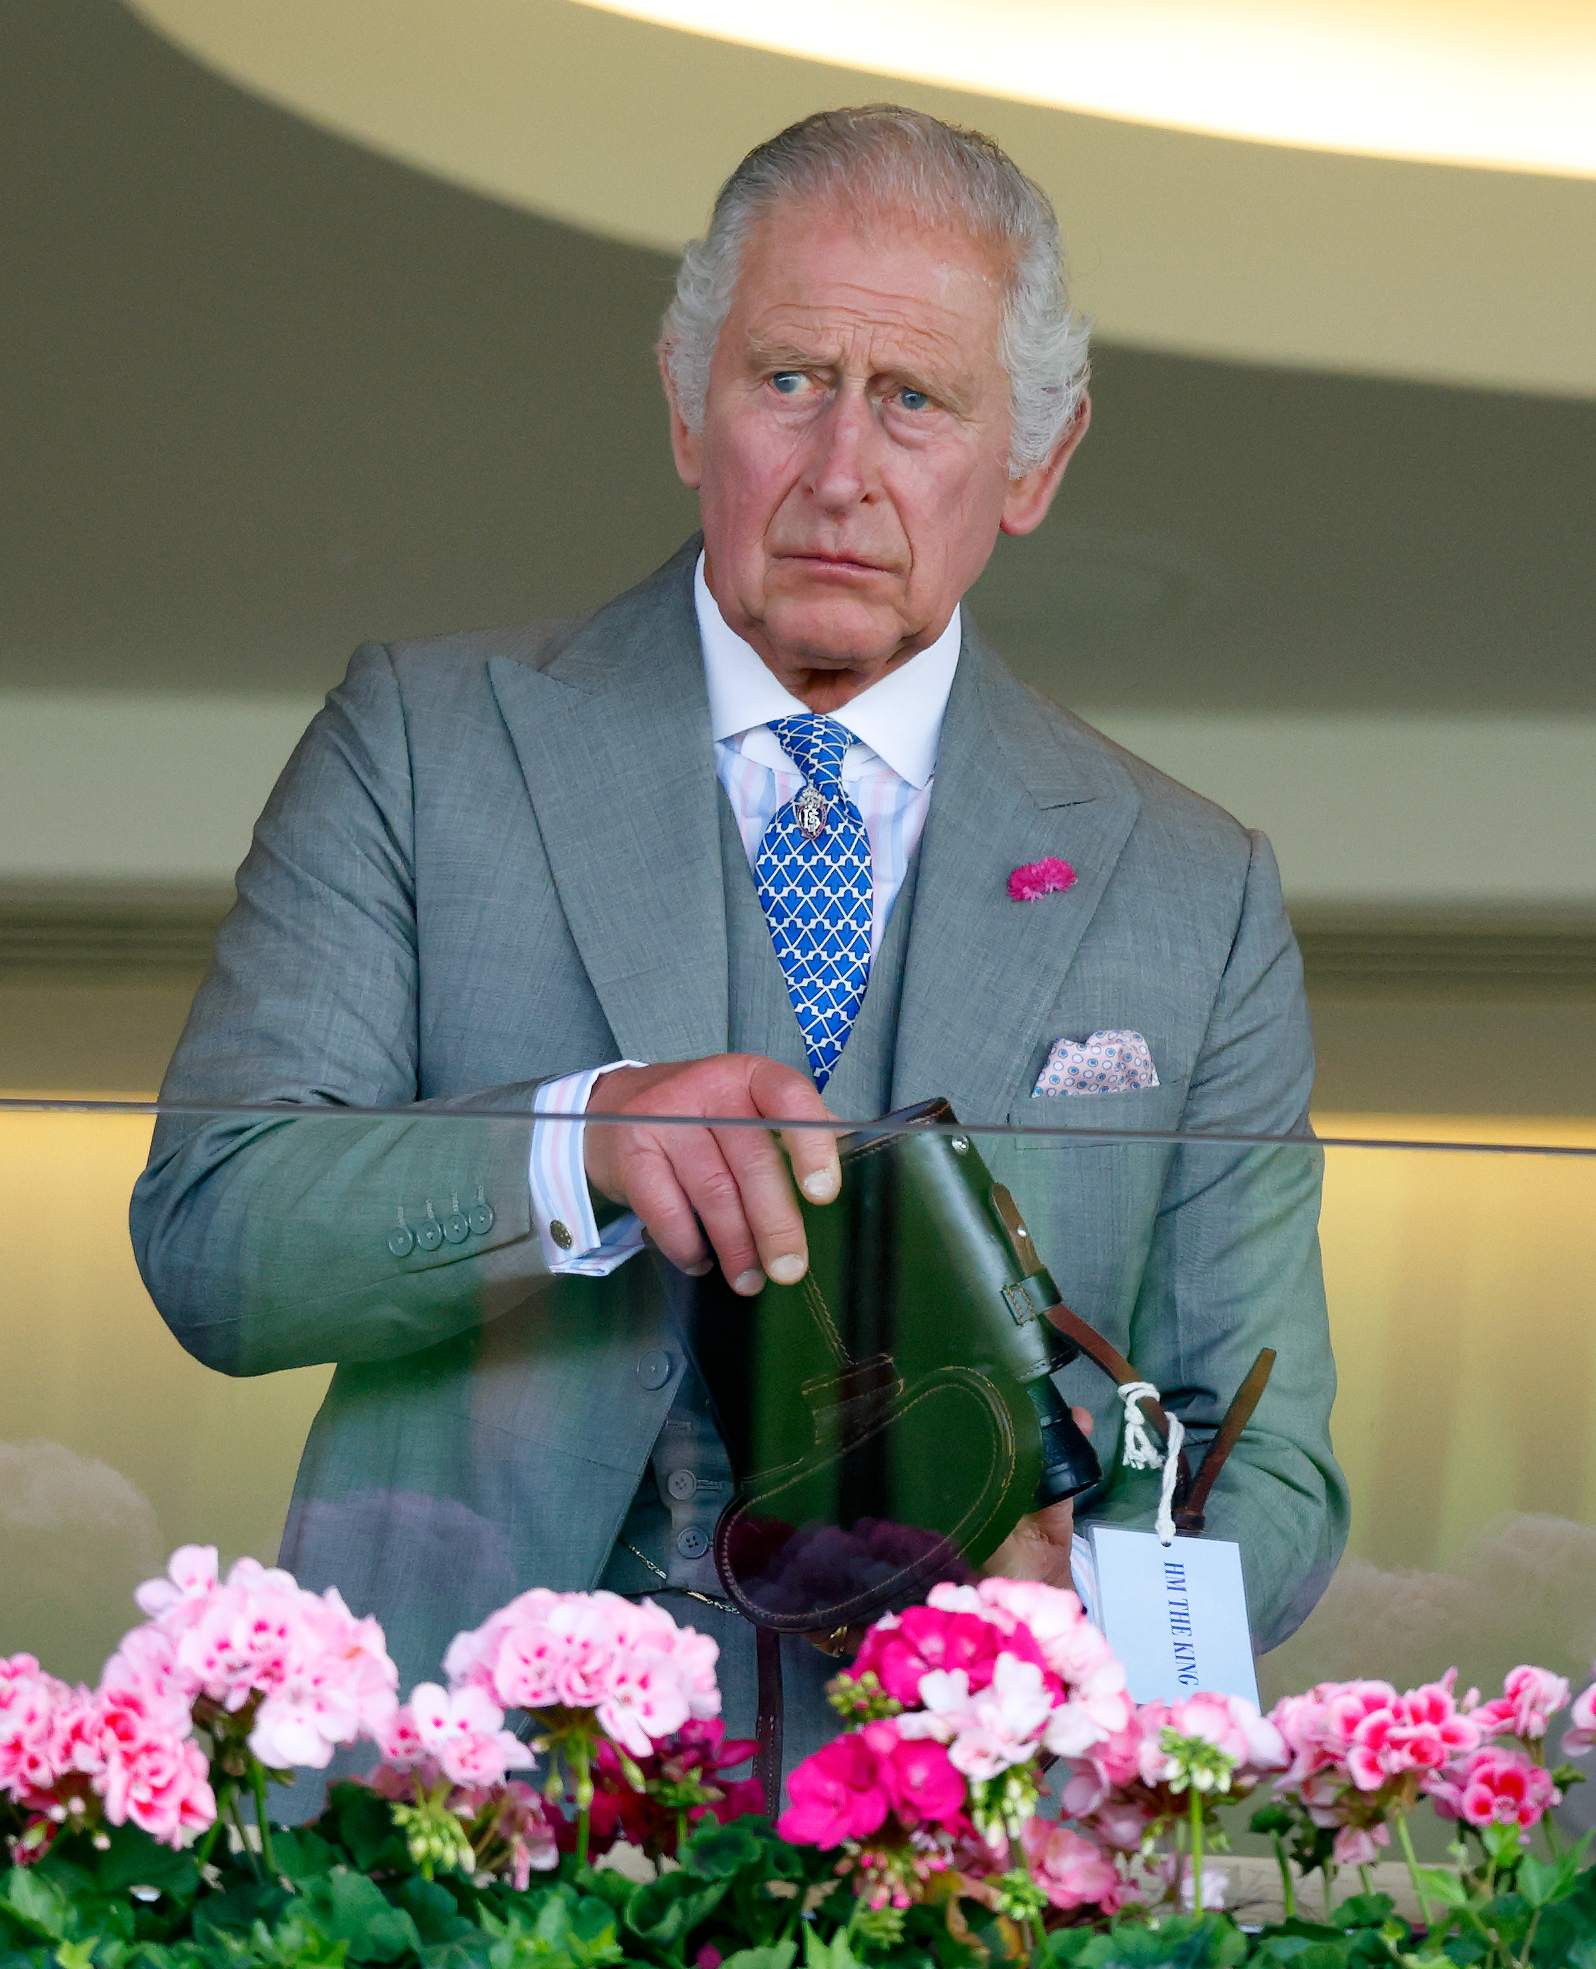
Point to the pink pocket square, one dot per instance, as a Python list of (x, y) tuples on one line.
[(1107, 1063)]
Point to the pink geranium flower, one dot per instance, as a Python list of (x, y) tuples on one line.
[(1495, 1786), (1420, 1731), (1070, 1870), (1530, 1698), (837, 1794), (641, 1675), (461, 1731)]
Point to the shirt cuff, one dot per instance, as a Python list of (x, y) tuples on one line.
[(562, 1205)]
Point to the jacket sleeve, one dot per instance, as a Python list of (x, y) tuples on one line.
[(264, 1240), (1234, 1266)]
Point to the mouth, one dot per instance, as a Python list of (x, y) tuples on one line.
[(840, 566)]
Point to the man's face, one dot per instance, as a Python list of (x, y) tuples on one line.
[(853, 463)]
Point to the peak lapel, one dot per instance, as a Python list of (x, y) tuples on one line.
[(1016, 781), (613, 741)]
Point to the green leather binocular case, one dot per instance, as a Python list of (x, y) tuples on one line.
[(892, 1416)]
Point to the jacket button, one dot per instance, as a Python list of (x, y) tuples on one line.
[(429, 1234), (480, 1218), (401, 1241), (692, 1543), (681, 1484), (561, 1234), (455, 1227), (654, 1370)]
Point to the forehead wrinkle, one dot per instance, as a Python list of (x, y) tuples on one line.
[(925, 355)]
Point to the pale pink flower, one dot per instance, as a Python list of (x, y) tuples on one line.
[(1070, 1870), (1360, 1845), (987, 1731), (1579, 1739), (1530, 1698), (191, 1573), (463, 1731), (641, 1674)]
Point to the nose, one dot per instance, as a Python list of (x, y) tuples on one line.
[(843, 471)]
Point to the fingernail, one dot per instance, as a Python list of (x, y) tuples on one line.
[(748, 1283), (788, 1270), (821, 1186), (700, 1271)]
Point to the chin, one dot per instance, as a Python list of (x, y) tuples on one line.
[(834, 632)]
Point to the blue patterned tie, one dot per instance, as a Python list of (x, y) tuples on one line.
[(813, 872)]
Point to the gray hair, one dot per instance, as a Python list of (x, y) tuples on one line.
[(882, 157)]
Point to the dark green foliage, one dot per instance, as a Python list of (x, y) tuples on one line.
[(345, 1894)]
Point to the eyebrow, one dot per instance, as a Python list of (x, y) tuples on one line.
[(787, 355)]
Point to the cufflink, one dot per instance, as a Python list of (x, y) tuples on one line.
[(561, 1235)]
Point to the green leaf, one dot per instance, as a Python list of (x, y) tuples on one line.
[(835, 1954), (362, 1824), (1442, 1885), (720, 1851), (347, 1907), (433, 1909), (776, 1955), (36, 1903), (668, 1909), (1541, 1881), (1365, 1911)]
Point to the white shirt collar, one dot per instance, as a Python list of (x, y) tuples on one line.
[(900, 718)]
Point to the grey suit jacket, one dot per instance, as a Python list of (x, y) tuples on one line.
[(495, 858)]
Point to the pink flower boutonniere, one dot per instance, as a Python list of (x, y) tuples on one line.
[(1040, 878)]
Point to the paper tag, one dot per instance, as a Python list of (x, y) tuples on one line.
[(1175, 1615)]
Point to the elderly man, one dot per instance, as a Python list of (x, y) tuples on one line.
[(739, 845)]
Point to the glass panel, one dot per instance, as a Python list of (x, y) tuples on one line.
[(885, 1421)]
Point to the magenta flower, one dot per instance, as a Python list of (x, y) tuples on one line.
[(1047, 877), (837, 1794)]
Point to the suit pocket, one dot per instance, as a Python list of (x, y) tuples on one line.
[(1155, 1110)]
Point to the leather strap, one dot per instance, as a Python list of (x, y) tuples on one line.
[(1189, 1514), (767, 1730), (1119, 1371)]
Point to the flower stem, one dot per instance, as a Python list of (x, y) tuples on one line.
[(243, 1837), (1288, 1890), (1366, 1880), (1529, 1940), (257, 1779), (1196, 1807), (207, 1845), (1413, 1869), (578, 1753)]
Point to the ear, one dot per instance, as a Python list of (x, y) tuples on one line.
[(1027, 499), (687, 446)]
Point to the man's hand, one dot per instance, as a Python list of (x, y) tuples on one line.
[(715, 1193), (1039, 1545)]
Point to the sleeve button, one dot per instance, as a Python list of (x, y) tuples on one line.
[(480, 1218), (455, 1227), (429, 1234), (654, 1370), (401, 1241)]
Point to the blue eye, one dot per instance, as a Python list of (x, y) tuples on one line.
[(913, 399), (788, 381)]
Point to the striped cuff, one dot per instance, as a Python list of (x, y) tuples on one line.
[(562, 1205)]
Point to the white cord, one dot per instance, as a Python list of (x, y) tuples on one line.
[(1141, 1452)]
